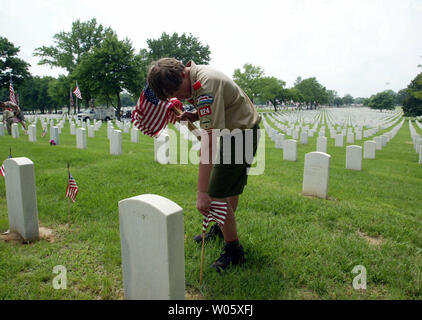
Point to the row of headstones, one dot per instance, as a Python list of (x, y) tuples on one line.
[(381, 141), (151, 234), (310, 117), (294, 132), (417, 141)]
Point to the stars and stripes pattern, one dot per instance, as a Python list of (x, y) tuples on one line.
[(12, 93), (2, 171), (72, 188), (217, 213), (151, 114), (77, 92)]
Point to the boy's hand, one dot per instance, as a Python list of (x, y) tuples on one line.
[(203, 202), (192, 116)]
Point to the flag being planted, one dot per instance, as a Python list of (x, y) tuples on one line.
[(72, 188), (77, 92), (217, 213), (151, 114)]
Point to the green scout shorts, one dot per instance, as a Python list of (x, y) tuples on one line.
[(229, 179)]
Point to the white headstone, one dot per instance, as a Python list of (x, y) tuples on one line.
[(322, 144), (369, 149), (316, 174), (55, 134), (72, 128), (304, 137), (15, 130), (81, 138), (134, 135), (1, 129), (290, 150), (279, 141), (32, 130), (339, 140), (350, 137), (152, 244), (91, 133), (21, 197), (420, 154), (162, 148), (354, 158), (116, 142), (378, 142)]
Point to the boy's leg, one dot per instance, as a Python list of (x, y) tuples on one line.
[(233, 252)]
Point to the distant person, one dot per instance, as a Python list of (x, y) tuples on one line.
[(12, 113)]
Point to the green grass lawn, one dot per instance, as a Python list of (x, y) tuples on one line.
[(296, 247)]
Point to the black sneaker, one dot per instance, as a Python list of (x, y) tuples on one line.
[(215, 232), (232, 255)]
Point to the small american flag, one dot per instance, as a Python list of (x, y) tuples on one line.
[(72, 188), (2, 171), (12, 93), (217, 213), (44, 132), (77, 92), (151, 115)]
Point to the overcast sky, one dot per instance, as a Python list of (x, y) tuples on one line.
[(358, 47)]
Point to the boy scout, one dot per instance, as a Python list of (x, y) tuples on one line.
[(10, 110), (220, 104)]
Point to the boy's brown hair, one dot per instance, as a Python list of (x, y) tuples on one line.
[(165, 77)]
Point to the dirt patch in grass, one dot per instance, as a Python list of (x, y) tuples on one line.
[(193, 294), (46, 234), (375, 241), (317, 198)]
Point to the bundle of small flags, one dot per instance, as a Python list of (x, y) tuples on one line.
[(151, 114), (217, 213)]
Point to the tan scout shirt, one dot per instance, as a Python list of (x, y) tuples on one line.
[(10, 107), (219, 101)]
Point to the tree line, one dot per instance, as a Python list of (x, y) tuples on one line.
[(111, 72)]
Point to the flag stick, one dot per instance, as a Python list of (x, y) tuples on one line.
[(202, 257), (191, 126), (68, 199)]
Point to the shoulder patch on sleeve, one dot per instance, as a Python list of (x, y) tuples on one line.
[(204, 100)]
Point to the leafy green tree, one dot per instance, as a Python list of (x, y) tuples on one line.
[(11, 65), (70, 47), (382, 101), (338, 101), (401, 96), (332, 94), (249, 80), (294, 94), (272, 89), (59, 91), (109, 69), (183, 48), (313, 92), (359, 100), (34, 94), (348, 99), (412, 104)]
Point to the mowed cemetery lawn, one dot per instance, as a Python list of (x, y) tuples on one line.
[(296, 247)]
